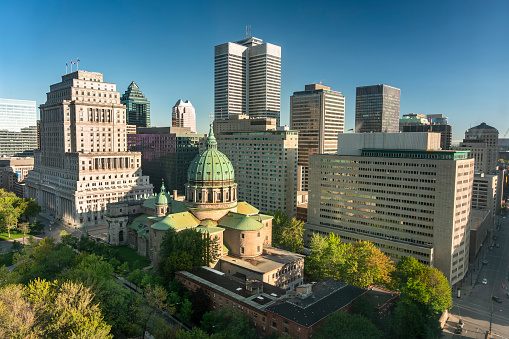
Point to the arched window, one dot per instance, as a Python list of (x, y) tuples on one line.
[(121, 236)]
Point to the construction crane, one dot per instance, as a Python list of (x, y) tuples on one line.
[(506, 132)]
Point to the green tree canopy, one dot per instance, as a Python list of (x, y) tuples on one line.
[(422, 284), (287, 233), (360, 264), (185, 250)]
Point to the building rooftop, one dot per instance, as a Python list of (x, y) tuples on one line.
[(327, 297), (483, 126), (240, 222), (477, 217), (271, 259), (177, 221)]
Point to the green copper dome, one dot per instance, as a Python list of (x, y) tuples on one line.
[(162, 198), (211, 167)]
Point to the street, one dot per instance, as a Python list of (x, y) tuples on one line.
[(476, 306)]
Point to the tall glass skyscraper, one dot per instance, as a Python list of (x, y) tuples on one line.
[(18, 127), (247, 79), (377, 109), (137, 106)]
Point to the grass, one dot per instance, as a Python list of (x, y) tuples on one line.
[(15, 234), (134, 259)]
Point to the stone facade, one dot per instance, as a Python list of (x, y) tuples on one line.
[(209, 206), (83, 163)]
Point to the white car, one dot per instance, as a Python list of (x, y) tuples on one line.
[(485, 281)]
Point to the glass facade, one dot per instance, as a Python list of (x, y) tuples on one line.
[(137, 106), (165, 155), (18, 127), (377, 109)]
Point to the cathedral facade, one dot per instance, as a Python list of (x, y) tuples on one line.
[(209, 206)]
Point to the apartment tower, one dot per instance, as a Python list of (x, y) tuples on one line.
[(83, 163), (319, 115), (377, 109), (247, 79), (265, 163), (398, 191), (137, 106)]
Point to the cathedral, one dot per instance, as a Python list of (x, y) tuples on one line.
[(210, 206)]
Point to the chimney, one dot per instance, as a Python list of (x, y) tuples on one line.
[(174, 194)]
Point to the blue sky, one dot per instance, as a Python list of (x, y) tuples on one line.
[(449, 57)]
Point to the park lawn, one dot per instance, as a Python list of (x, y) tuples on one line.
[(134, 259), (14, 235)]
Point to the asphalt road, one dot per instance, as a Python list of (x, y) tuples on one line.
[(476, 306)]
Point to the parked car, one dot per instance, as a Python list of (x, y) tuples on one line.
[(485, 281), (459, 330), (497, 299), (485, 262), (497, 245)]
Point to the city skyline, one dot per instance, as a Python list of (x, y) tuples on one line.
[(445, 58)]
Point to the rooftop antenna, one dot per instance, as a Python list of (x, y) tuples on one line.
[(248, 31)]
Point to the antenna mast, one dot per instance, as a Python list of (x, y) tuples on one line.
[(248, 31)]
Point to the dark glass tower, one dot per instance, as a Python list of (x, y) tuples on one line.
[(138, 107), (377, 109)]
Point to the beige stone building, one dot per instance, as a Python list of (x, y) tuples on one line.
[(265, 163), (210, 206), (83, 163), (242, 123), (13, 171), (484, 192), (319, 115), (398, 191)]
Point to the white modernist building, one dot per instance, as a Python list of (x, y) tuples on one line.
[(398, 191), (184, 115), (247, 79), (83, 163)]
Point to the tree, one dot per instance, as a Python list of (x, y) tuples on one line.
[(17, 317), (413, 320), (185, 250), (155, 300), (348, 326), (27, 207), (286, 233), (228, 322), (65, 310), (9, 215), (422, 284), (360, 264)]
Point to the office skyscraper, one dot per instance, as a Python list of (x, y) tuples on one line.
[(247, 79), (18, 127), (83, 163), (398, 191), (137, 106), (183, 115), (319, 115), (377, 109), (433, 123)]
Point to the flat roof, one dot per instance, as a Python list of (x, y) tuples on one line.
[(271, 259), (326, 297)]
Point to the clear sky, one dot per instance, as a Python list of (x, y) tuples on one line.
[(449, 57)]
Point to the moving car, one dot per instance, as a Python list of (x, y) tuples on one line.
[(485, 262), (485, 281), (497, 299)]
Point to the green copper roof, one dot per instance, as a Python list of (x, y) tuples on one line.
[(239, 222), (142, 219), (209, 229), (150, 202), (211, 167), (208, 222), (264, 217), (162, 197), (245, 208), (177, 221), (178, 206)]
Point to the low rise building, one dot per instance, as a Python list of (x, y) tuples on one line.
[(274, 311), (481, 222)]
